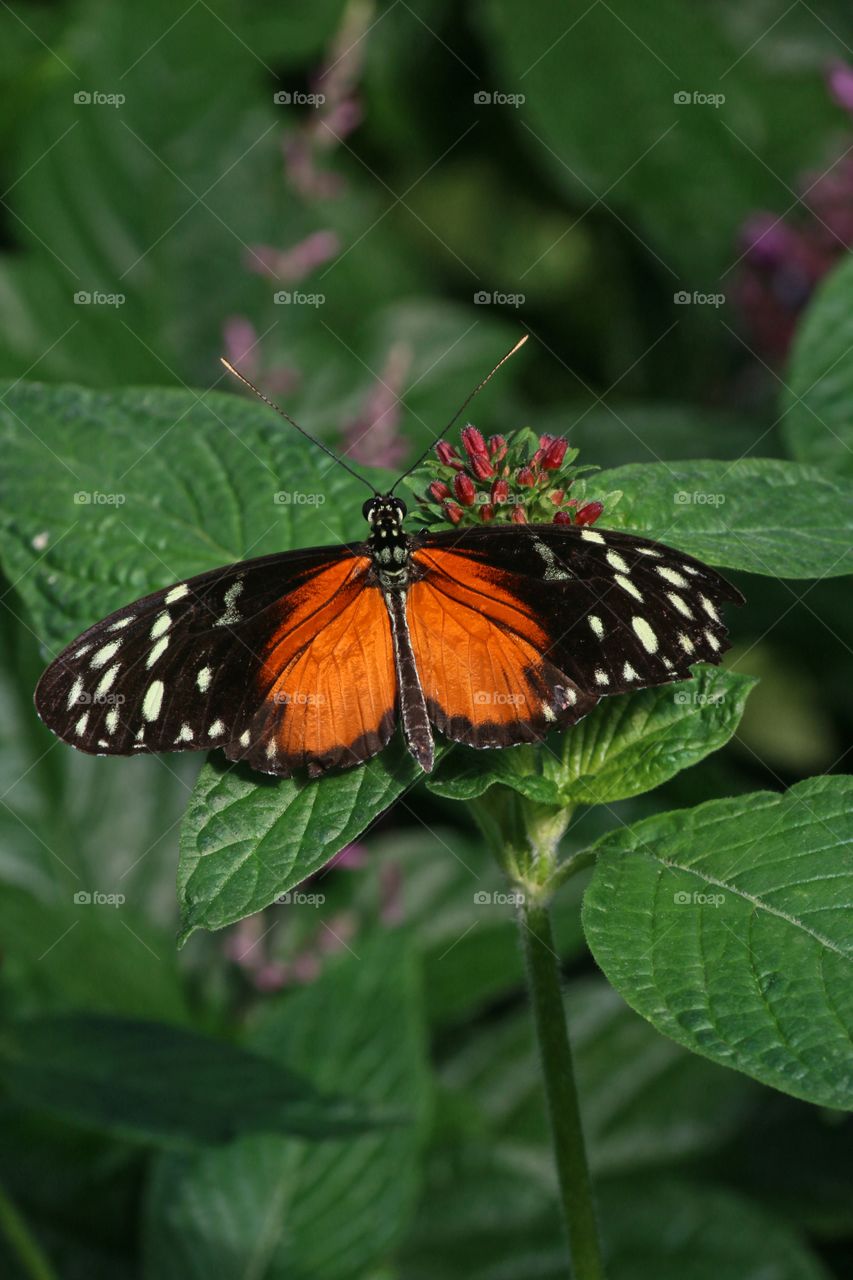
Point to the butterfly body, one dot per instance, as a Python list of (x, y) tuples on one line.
[(306, 660)]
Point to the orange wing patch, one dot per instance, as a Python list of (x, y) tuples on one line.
[(480, 655), (327, 678)]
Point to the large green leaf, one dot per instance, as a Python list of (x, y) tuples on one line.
[(729, 927), (626, 746), (275, 1207), (487, 1214), (758, 514), (818, 401), (159, 1083)]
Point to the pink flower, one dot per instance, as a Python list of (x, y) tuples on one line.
[(291, 266), (464, 488), (497, 448), (518, 515), (452, 512), (563, 517), (839, 81), (500, 491), (554, 454), (526, 477), (589, 513), (473, 441), (446, 453), (481, 466), (438, 491)]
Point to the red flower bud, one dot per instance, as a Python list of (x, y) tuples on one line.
[(446, 453), (481, 466), (438, 491), (589, 513), (452, 512), (563, 517), (519, 516), (464, 488), (556, 496), (500, 491), (497, 448), (487, 513), (526, 477), (473, 441), (554, 454)]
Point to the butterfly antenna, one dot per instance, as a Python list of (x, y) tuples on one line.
[(242, 378), (461, 409)]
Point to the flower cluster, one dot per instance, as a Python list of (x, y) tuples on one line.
[(522, 479)]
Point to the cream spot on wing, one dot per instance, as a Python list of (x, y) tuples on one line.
[(203, 679), (548, 712), (153, 700), (271, 749), (160, 647), (709, 608), (177, 593), (161, 623), (106, 681), (677, 579), (589, 535), (597, 625), (628, 672), (104, 654), (112, 720), (185, 734), (645, 634), (712, 640), (601, 677), (244, 739), (216, 729), (122, 622), (80, 652), (613, 558), (627, 585), (686, 643), (648, 551), (668, 664), (230, 616), (80, 726), (140, 736), (569, 696), (75, 692), (680, 604)]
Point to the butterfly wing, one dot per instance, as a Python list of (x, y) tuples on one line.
[(246, 657), (521, 628)]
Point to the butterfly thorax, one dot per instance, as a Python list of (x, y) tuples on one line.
[(389, 545)]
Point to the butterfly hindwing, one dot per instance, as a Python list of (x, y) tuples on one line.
[(586, 614)]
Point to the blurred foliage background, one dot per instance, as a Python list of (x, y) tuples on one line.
[(364, 206)]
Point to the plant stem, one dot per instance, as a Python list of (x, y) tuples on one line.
[(22, 1242), (576, 1202)]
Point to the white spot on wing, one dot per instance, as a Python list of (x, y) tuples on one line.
[(80, 726), (112, 720), (645, 634), (244, 739), (177, 593), (230, 616), (106, 681), (597, 625), (712, 640), (216, 729), (122, 622), (203, 679), (615, 560), (677, 579), (589, 535), (648, 551), (75, 692), (153, 700), (185, 734), (686, 643), (549, 713), (161, 623), (160, 647), (104, 654), (554, 571), (271, 749), (628, 672), (709, 608), (601, 677), (680, 604), (627, 585)]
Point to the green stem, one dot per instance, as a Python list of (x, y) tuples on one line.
[(22, 1243), (549, 1015)]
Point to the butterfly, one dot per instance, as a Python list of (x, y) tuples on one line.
[(307, 660)]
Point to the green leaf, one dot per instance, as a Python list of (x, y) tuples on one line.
[(246, 839), (626, 746), (489, 1214), (728, 927), (818, 400), (157, 1083), (288, 1209), (757, 514), (644, 1099)]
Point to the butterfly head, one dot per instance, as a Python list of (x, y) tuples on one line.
[(388, 543), (384, 512)]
